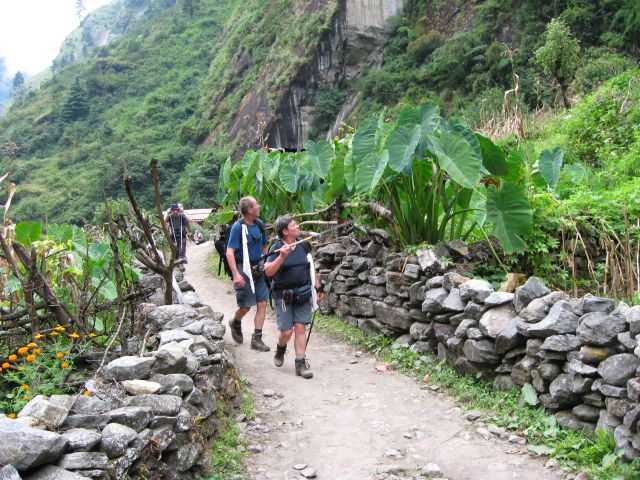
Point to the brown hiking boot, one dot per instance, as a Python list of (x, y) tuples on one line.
[(302, 368), (258, 344), (236, 330), (278, 358)]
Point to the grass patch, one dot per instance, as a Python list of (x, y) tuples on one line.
[(228, 448), (575, 449)]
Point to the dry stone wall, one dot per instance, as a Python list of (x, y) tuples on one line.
[(147, 416), (580, 354)]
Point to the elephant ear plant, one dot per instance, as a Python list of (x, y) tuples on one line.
[(440, 180)]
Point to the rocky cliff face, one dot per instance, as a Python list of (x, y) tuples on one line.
[(359, 31)]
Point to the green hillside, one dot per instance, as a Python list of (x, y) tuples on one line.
[(172, 85)]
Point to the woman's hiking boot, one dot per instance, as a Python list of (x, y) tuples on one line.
[(236, 330), (302, 368), (258, 344), (278, 358)]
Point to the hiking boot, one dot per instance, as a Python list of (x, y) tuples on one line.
[(258, 344), (278, 358), (236, 330), (302, 368)]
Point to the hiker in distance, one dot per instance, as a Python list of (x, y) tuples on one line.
[(247, 243), (178, 222), (296, 289)]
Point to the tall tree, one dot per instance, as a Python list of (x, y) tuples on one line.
[(18, 81), (77, 106), (558, 57), (79, 8)]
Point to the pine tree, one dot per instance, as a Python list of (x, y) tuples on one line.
[(77, 106), (18, 81)]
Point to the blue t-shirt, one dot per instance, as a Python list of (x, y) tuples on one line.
[(295, 268), (255, 240)]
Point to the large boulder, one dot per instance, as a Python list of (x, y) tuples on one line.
[(116, 438), (538, 308), (475, 290), (533, 288), (433, 300), (128, 368), (175, 357), (496, 319), (600, 329), (25, 447), (560, 320), (481, 351), (396, 318), (51, 412), (561, 343), (618, 369), (589, 304), (81, 439), (167, 317)]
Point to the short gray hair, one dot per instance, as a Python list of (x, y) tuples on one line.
[(245, 204), (282, 223)]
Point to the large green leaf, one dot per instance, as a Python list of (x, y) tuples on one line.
[(249, 179), (465, 132), (369, 171), (289, 175), (549, 164), (363, 142), (27, 233), (401, 145), (509, 212), (320, 155), (457, 158), (307, 201), (430, 119), (516, 161), (336, 178), (409, 115), (349, 170), (492, 156)]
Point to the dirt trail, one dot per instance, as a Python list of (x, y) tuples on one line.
[(351, 422)]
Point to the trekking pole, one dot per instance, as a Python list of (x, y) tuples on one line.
[(313, 319)]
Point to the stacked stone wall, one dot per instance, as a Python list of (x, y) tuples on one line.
[(145, 416), (580, 354)]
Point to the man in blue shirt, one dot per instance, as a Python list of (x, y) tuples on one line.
[(248, 238)]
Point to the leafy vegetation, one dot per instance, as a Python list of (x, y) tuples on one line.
[(575, 449)]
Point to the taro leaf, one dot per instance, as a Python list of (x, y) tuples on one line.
[(538, 180), (479, 204), (249, 180), (11, 285), (430, 119), (109, 291), (226, 173), (307, 201), (364, 140), (60, 233), (492, 156), (457, 158), (549, 165), (290, 175), (369, 172), (349, 170), (509, 212), (401, 145), (465, 132), (516, 162), (320, 155), (336, 175), (529, 395), (409, 116), (541, 449), (27, 233)]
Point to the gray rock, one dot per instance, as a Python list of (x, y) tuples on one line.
[(481, 351), (549, 370), (26, 447), (618, 407), (116, 438), (475, 334), (86, 421), (421, 348), (443, 332), (623, 437), (496, 299), (451, 280), (586, 413), (412, 271), (521, 371), (433, 300), (595, 399), (533, 288), (533, 346), (631, 419), (561, 343), (475, 290), (607, 421), (182, 381), (590, 304), (461, 329), (566, 419), (430, 260), (632, 316), (600, 329), (562, 391), (81, 439), (204, 405), (84, 460), (187, 455), (496, 319), (362, 307), (633, 389), (433, 282), (421, 331), (618, 369), (207, 328), (608, 390), (176, 335), (577, 367), (560, 320), (190, 297), (308, 472), (396, 318), (594, 355), (167, 317), (51, 472), (538, 308), (475, 311), (453, 302), (128, 368), (140, 387), (509, 338), (89, 405), (157, 404), (175, 357), (8, 472), (52, 412), (627, 340), (135, 417)]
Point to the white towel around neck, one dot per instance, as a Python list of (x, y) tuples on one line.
[(314, 293), (246, 262)]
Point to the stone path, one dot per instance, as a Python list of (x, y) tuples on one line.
[(352, 422)]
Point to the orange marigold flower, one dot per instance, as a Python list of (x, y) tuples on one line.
[(74, 335), (30, 358), (0, 370), (59, 355), (66, 352), (5, 365), (38, 336), (36, 351), (11, 415), (13, 358), (26, 397), (22, 350), (86, 393), (59, 328), (25, 387), (20, 369), (93, 334), (64, 365), (53, 334), (31, 345)]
